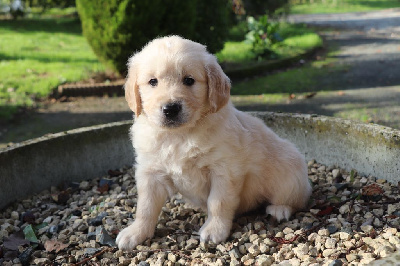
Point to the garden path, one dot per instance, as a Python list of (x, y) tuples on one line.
[(368, 46)]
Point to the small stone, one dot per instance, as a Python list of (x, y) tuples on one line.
[(312, 237), (103, 238), (124, 261), (341, 186), (242, 249), (144, 263), (380, 181), (395, 240), (41, 261), (192, 243), (378, 212), (247, 259), (254, 250), (258, 225), (234, 253), (366, 261), (301, 250), (392, 208), (7, 227), (377, 222), (336, 173), (385, 251), (367, 228), (221, 248), (264, 260), (323, 232), (172, 257), (25, 256), (253, 237), (269, 242), (344, 236), (332, 229), (344, 209), (330, 243), (98, 220), (84, 185), (237, 235), (351, 257), (288, 230), (90, 251), (328, 252), (336, 263), (15, 215), (235, 262)]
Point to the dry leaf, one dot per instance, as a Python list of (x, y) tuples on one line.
[(54, 245), (326, 211), (14, 241), (372, 190), (310, 95)]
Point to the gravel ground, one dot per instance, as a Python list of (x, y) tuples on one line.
[(350, 220)]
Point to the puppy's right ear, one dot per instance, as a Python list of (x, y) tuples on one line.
[(132, 94)]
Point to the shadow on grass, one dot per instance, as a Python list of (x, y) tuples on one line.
[(51, 25)]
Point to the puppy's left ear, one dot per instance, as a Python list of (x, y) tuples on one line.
[(132, 94), (219, 85)]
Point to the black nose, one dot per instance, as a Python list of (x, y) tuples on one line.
[(171, 110)]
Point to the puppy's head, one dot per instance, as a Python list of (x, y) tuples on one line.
[(174, 82)]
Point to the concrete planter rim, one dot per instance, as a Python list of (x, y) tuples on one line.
[(85, 153)]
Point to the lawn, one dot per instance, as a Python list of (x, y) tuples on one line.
[(297, 39), (340, 6), (37, 55)]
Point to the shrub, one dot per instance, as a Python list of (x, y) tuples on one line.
[(117, 28), (271, 7), (262, 35)]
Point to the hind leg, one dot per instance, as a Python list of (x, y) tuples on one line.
[(280, 212)]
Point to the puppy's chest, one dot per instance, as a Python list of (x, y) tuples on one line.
[(188, 167), (183, 158)]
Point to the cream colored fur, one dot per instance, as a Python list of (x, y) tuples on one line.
[(219, 158)]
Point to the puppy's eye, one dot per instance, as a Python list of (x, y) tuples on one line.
[(188, 81), (153, 82)]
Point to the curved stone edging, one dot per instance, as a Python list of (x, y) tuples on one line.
[(34, 165), (86, 153)]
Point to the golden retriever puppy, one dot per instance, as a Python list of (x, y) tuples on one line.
[(190, 139)]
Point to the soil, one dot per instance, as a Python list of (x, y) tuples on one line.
[(368, 44)]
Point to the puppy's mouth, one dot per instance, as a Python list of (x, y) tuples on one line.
[(173, 115)]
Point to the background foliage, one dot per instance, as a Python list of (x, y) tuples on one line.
[(116, 29)]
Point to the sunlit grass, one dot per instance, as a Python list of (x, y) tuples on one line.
[(37, 55), (297, 39), (340, 6), (295, 80)]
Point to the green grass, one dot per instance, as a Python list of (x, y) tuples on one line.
[(315, 76), (37, 55), (341, 6), (297, 39)]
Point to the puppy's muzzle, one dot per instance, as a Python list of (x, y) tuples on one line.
[(172, 114)]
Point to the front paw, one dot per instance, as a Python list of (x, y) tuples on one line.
[(215, 230), (132, 236)]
